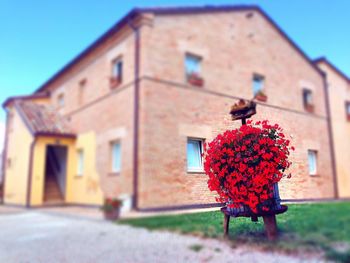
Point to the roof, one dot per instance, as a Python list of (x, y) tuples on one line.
[(26, 97), (169, 11), (43, 119), (336, 69), (194, 9)]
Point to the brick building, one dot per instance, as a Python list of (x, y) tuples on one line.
[(339, 95), (128, 116)]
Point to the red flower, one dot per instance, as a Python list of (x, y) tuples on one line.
[(243, 164)]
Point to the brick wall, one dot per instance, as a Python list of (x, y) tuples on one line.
[(106, 112), (339, 93), (233, 47)]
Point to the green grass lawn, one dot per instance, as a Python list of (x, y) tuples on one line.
[(304, 227)]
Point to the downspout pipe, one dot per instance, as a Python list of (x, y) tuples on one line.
[(30, 172), (136, 114), (331, 136), (4, 157)]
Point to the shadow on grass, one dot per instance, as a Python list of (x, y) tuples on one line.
[(317, 228)]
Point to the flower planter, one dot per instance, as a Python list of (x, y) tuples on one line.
[(195, 80), (244, 164), (261, 97), (243, 109), (114, 82), (112, 215), (273, 204), (310, 108), (111, 208)]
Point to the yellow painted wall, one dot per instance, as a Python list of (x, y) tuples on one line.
[(39, 158), (85, 188), (17, 163), (339, 93)]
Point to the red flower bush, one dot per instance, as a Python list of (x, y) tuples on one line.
[(244, 164), (111, 204)]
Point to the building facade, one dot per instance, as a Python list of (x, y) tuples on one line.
[(339, 95), (128, 117)]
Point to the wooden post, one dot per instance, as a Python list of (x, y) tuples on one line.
[(226, 225), (270, 226)]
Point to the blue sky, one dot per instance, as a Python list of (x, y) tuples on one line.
[(38, 37)]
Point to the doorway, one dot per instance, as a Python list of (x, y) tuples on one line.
[(55, 174)]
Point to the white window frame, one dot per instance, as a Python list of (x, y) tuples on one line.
[(80, 162), (312, 157), (258, 78), (116, 170), (199, 169)]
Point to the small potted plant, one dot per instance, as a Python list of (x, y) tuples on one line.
[(111, 208), (195, 80), (243, 109), (115, 82), (261, 96), (309, 107)]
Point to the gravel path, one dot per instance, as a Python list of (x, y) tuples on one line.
[(36, 236)]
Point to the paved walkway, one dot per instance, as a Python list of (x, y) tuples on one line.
[(40, 236), (94, 212)]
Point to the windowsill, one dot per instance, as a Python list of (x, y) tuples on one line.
[(114, 173), (195, 171), (314, 175)]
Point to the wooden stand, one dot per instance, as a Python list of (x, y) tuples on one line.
[(226, 225), (269, 218), (270, 226)]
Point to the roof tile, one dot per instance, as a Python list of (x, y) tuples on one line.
[(43, 119)]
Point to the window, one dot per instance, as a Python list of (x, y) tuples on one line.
[(347, 109), (192, 64), (116, 157), (193, 68), (80, 168), (194, 155), (118, 69), (9, 163), (81, 92), (258, 84), (312, 158), (308, 100), (117, 73), (10, 121), (60, 100)]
